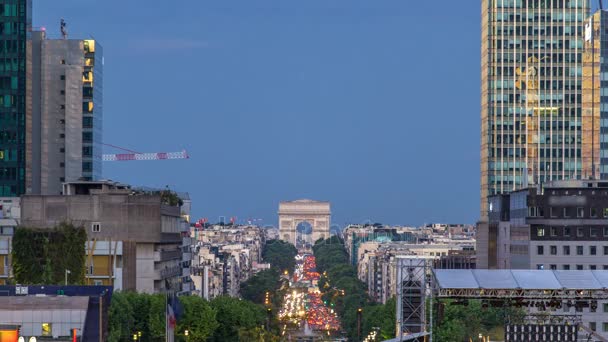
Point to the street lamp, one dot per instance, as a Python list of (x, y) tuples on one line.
[(134, 337), (66, 276), (186, 333)]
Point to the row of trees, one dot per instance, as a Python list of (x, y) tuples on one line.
[(222, 319), (345, 293)]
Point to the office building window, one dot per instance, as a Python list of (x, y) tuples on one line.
[(593, 232), (566, 250), (566, 212), (553, 250), (552, 212), (605, 250), (579, 250), (540, 231), (95, 227), (62, 77), (553, 231), (540, 250), (592, 250), (579, 232), (579, 267), (566, 231), (605, 267), (605, 231), (592, 267), (605, 307), (553, 267), (540, 267), (592, 326), (566, 267), (580, 212), (47, 329), (593, 212)]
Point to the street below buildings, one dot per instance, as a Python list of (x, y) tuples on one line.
[(304, 315)]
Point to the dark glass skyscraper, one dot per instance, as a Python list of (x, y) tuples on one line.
[(15, 24)]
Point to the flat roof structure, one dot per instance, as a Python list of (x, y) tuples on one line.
[(536, 284)]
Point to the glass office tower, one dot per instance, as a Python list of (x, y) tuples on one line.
[(595, 89), (15, 23), (531, 94)]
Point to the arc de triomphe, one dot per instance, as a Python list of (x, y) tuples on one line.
[(292, 213)]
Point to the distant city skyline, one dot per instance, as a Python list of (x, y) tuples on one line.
[(371, 106)]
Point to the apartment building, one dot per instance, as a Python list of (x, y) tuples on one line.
[(225, 256)]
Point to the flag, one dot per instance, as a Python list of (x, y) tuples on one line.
[(171, 321)]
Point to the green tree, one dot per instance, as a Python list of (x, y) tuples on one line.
[(120, 318), (157, 317), (461, 322), (280, 254), (234, 314), (257, 334), (255, 288), (199, 318)]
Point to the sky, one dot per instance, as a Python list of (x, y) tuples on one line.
[(371, 105)]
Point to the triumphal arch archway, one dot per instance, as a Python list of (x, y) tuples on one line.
[(293, 213)]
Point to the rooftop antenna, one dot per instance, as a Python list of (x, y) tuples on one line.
[(64, 30)]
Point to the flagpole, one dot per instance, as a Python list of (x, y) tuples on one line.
[(166, 318)]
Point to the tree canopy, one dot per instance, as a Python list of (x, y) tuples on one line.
[(280, 254), (254, 289), (234, 314)]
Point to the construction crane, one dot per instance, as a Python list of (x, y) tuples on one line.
[(133, 155)]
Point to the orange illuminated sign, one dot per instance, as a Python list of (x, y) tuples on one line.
[(8, 335)]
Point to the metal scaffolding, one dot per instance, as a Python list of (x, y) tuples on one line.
[(414, 295)]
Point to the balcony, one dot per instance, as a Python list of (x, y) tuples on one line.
[(169, 272), (170, 255), (186, 256)]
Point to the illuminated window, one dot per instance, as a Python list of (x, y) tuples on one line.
[(47, 329), (89, 45), (87, 107)]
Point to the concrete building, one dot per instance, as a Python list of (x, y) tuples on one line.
[(135, 237), (65, 111), (532, 122)]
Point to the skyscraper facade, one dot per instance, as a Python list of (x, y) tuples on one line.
[(64, 113), (595, 89), (15, 23), (532, 120)]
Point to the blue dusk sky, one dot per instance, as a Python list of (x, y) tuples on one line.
[(372, 105)]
